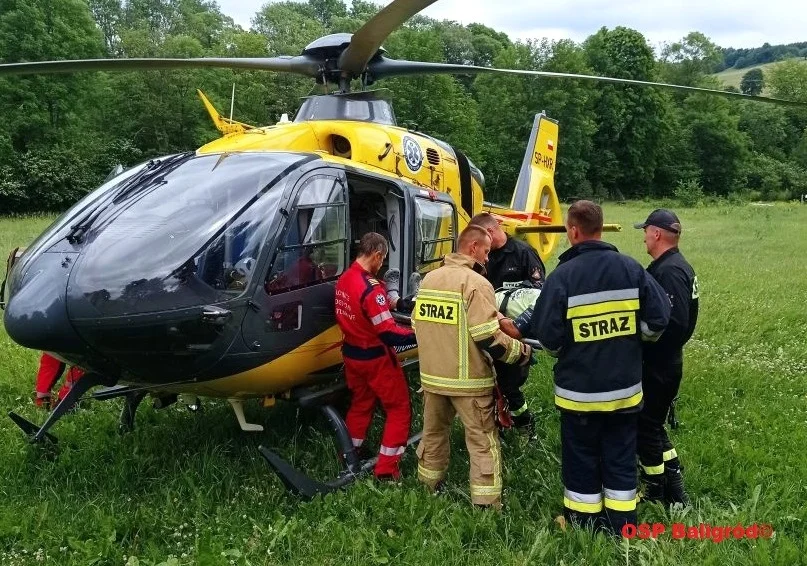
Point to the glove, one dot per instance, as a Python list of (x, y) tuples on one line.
[(414, 283), (526, 356), (392, 281)]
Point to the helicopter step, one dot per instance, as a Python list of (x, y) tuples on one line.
[(37, 434), (238, 409)]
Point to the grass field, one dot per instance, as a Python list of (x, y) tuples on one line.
[(733, 77), (190, 488)]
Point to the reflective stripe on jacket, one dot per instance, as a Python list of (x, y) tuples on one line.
[(458, 331), (594, 311)]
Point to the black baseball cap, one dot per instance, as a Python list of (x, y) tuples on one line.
[(662, 218)]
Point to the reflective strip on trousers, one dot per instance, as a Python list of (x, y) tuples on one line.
[(434, 475), (620, 500), (388, 451), (670, 454), (357, 442), (653, 470), (519, 411), (582, 502), (495, 489), (603, 401)]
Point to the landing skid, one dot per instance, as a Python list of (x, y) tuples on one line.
[(304, 486), (301, 484), (36, 433)]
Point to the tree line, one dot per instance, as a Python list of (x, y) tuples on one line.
[(748, 57), (61, 134)]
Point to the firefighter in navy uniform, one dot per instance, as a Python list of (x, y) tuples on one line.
[(663, 360), (593, 313), (511, 263), (372, 370)]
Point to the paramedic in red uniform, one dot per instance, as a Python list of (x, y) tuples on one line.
[(371, 366), (50, 370)]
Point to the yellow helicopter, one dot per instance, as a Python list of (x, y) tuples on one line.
[(211, 273)]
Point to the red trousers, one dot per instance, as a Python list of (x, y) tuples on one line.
[(50, 370), (379, 379)]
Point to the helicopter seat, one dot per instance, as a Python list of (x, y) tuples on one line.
[(303, 271)]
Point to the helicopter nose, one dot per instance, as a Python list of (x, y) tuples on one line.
[(36, 315)]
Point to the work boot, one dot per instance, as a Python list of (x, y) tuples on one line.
[(42, 401), (525, 423), (392, 281), (674, 491), (653, 488)]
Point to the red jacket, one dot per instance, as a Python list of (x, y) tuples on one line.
[(362, 312)]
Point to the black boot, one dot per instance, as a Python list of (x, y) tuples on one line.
[(525, 422), (653, 488), (674, 489)]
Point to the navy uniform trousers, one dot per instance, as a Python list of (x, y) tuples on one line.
[(599, 468)]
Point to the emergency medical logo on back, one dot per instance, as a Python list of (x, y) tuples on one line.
[(604, 315), (413, 155)]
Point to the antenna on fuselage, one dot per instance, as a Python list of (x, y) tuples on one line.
[(232, 103)]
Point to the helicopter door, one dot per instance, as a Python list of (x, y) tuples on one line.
[(294, 307)]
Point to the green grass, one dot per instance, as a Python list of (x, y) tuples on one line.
[(733, 77), (190, 488)]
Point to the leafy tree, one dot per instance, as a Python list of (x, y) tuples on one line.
[(632, 128), (752, 82), (686, 62), (39, 107), (718, 148)]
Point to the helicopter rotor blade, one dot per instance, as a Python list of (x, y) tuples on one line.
[(368, 39), (300, 65), (386, 67)]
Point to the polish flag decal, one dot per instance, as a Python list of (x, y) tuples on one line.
[(550, 145)]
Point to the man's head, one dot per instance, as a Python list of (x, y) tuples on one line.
[(583, 222), (487, 221), (662, 230), (474, 241), (372, 251)]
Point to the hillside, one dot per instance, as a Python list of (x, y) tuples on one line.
[(732, 77)]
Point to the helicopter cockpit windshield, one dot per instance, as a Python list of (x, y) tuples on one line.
[(193, 238)]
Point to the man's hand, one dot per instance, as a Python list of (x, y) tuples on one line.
[(392, 281)]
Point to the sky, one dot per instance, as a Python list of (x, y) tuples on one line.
[(738, 23)]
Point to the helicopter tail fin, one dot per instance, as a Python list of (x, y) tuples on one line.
[(224, 125), (535, 202), (535, 187)]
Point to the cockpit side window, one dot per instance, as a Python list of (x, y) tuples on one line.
[(314, 248), (434, 233)]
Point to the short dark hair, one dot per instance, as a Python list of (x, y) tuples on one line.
[(371, 243), (485, 220), (587, 216), (472, 233)]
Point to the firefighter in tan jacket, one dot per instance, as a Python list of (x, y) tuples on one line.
[(457, 328)]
